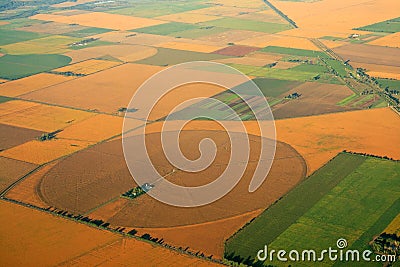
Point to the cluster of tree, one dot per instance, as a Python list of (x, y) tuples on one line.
[(68, 73), (127, 110), (367, 92), (28, 8), (369, 155), (391, 91), (388, 244), (271, 65), (295, 95), (49, 136), (138, 191), (237, 260)]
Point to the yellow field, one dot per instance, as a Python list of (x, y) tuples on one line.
[(34, 234), (188, 17), (190, 46), (325, 15), (260, 40), (39, 152), (95, 129), (27, 190), (247, 60), (55, 44), (102, 20), (394, 226), (125, 53), (70, 4), (387, 75), (106, 91), (392, 40), (31, 83), (287, 41), (239, 3), (225, 10), (88, 67), (38, 116), (265, 16)]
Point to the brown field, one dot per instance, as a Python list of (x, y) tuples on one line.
[(70, 4), (3, 80), (323, 15), (38, 152), (316, 98), (102, 20), (190, 46), (93, 92), (391, 40), (230, 36), (111, 179), (52, 28), (188, 17), (11, 170), (31, 83), (74, 243), (377, 68), (11, 136), (88, 67), (370, 54), (125, 53), (27, 191), (131, 252), (236, 50), (38, 116), (394, 226), (208, 237)]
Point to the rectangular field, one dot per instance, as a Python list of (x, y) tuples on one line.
[(325, 207), (250, 25)]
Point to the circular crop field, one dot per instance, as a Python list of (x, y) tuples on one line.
[(95, 177)]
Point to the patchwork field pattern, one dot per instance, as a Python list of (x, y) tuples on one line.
[(328, 215)]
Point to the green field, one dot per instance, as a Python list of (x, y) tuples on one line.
[(392, 84), (325, 207), (249, 25), (347, 100), (199, 32), (291, 75), (338, 66), (310, 68), (19, 66), (13, 36), (390, 26), (270, 87), (168, 28), (4, 99), (87, 32), (294, 51), (166, 56), (150, 9), (18, 23)]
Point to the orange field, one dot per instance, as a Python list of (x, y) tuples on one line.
[(247, 60), (73, 243), (94, 129), (391, 70), (27, 191), (320, 138), (31, 83), (11, 170), (125, 53), (391, 40), (190, 46), (226, 10), (208, 237), (41, 152), (284, 41), (38, 116), (106, 91), (322, 16), (135, 38), (88, 67), (387, 75), (102, 20)]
